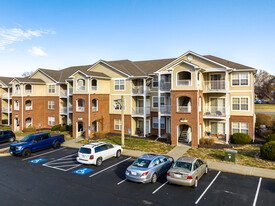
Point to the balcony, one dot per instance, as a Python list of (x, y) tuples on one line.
[(6, 109), (80, 109), (214, 86), (215, 112), (71, 108), (27, 91), (71, 90), (81, 88), (94, 88), (165, 109), (184, 109), (139, 90), (63, 110), (183, 82), (17, 92), (94, 108), (16, 108), (140, 111), (28, 107), (165, 86), (5, 96), (63, 93)]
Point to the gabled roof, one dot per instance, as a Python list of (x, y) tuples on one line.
[(28, 80), (6, 80), (91, 74)]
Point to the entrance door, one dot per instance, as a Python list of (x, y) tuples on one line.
[(217, 81)]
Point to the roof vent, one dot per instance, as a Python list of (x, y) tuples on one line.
[(190, 57)]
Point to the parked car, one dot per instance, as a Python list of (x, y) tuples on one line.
[(148, 168), (35, 142), (187, 171), (97, 152), (7, 136)]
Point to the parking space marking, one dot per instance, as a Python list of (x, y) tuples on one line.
[(35, 161), (110, 167), (43, 154), (159, 187), (83, 171), (257, 192), (207, 188), (64, 164), (121, 181), (5, 144)]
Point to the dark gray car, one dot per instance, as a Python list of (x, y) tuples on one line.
[(148, 168)]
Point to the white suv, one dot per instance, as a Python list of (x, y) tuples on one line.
[(96, 152)]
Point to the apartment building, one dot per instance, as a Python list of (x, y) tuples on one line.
[(189, 97), (271, 90)]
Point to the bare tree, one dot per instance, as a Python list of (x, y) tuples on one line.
[(27, 74), (262, 79)]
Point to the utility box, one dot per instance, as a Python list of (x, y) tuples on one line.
[(230, 155)]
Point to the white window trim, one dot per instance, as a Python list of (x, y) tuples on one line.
[(200, 104), (76, 85), (96, 105), (248, 110), (217, 125), (30, 106), (30, 123), (240, 79), (159, 102), (239, 128), (78, 106), (157, 123), (96, 126), (26, 90), (119, 124), (50, 120), (48, 87), (155, 81), (124, 105), (51, 104), (96, 85), (177, 78), (114, 79)]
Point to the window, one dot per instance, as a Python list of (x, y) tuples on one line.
[(28, 105), (51, 89), (184, 78), (94, 127), (240, 103), (117, 123), (156, 162), (50, 104), (217, 128), (155, 101), (28, 89), (29, 122), (94, 105), (240, 78), (17, 89), (80, 105), (118, 105), (272, 84), (51, 121), (94, 85), (119, 85), (155, 82), (156, 125), (240, 127), (272, 92), (16, 105)]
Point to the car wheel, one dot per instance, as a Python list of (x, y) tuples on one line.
[(12, 139), (206, 170), (196, 183), (56, 145), (99, 162), (26, 152), (118, 153), (154, 178)]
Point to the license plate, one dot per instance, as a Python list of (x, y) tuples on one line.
[(133, 173), (177, 175)]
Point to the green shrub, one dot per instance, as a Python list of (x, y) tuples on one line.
[(99, 135), (266, 133), (270, 138), (29, 129), (202, 141), (207, 141), (268, 151), (56, 128), (240, 138), (63, 128)]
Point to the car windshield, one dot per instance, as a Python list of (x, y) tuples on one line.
[(28, 138), (142, 163), (182, 165), (85, 150)]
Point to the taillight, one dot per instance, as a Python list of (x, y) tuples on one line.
[(145, 173), (127, 170), (168, 173), (91, 157), (189, 178)]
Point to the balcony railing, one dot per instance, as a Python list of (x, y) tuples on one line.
[(5, 96), (28, 107), (165, 86), (16, 92), (81, 88), (28, 91), (6, 109), (63, 110), (217, 111), (184, 108), (94, 88), (71, 90), (214, 85), (16, 107), (63, 93), (140, 110), (183, 82), (94, 108), (165, 109), (70, 108), (80, 109)]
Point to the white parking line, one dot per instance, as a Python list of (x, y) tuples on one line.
[(110, 167), (5, 144), (257, 192), (121, 181), (207, 188), (43, 154), (160, 187)]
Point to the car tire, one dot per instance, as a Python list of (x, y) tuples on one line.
[(12, 139), (154, 178), (26, 152), (206, 170), (196, 183), (118, 153), (56, 145), (99, 162)]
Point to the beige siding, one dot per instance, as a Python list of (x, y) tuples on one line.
[(39, 75), (127, 104), (184, 67), (250, 101), (107, 70)]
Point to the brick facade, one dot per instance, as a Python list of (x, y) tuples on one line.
[(153, 130), (127, 120), (249, 119)]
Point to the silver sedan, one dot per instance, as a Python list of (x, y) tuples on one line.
[(148, 168)]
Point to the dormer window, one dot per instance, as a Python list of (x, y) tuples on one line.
[(80, 85)]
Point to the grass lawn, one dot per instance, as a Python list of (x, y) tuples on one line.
[(265, 107), (137, 144), (247, 155)]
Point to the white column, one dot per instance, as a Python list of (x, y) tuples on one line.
[(68, 103), (89, 110), (9, 106), (159, 128), (227, 107), (144, 107)]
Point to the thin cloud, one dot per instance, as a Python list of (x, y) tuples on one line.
[(37, 51), (9, 36)]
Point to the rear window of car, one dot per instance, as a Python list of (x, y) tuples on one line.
[(142, 163), (85, 150), (182, 165)]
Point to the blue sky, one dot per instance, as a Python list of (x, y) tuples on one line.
[(55, 34)]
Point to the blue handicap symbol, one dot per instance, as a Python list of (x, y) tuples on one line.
[(35, 161), (83, 171)]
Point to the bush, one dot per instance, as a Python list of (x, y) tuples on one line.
[(202, 141), (29, 129), (268, 151), (240, 138), (63, 128), (56, 128), (99, 135), (207, 141), (270, 138), (263, 119), (266, 133)]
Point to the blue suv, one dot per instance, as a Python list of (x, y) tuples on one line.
[(7, 135)]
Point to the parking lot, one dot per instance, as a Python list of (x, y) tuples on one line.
[(53, 177)]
